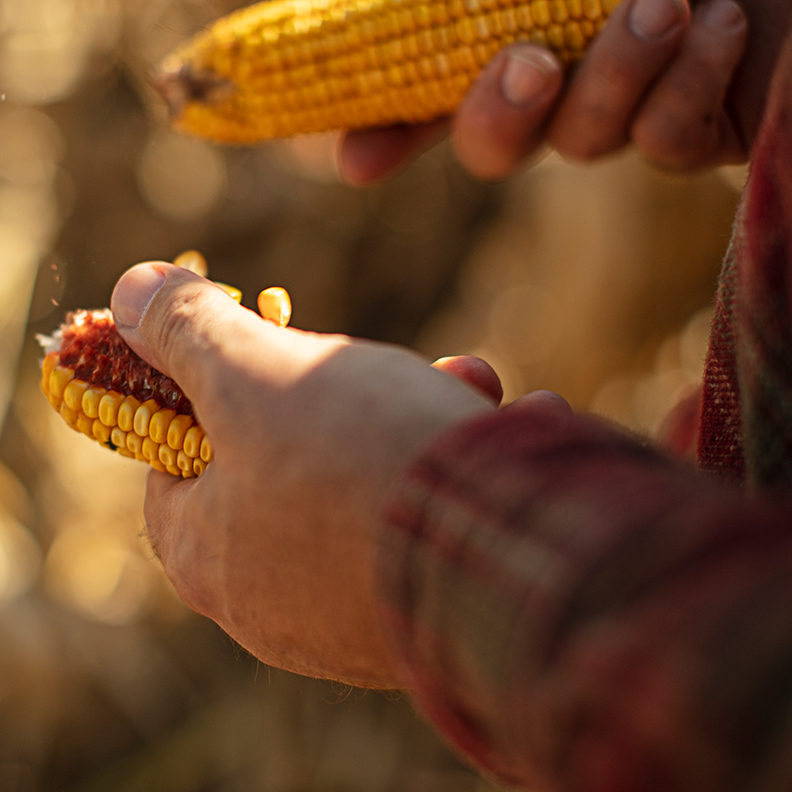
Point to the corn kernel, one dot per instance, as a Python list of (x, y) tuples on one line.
[(173, 470), (134, 443), (59, 379), (143, 416), (108, 408), (167, 455), (73, 393), (84, 424), (150, 449), (183, 462), (157, 465), (91, 399), (100, 431), (207, 452), (47, 367), (68, 415), (160, 422), (126, 413), (118, 437), (177, 429), (199, 466), (192, 441)]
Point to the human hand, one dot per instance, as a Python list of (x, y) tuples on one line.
[(657, 76), (275, 541)]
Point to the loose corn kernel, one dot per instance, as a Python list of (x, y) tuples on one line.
[(192, 441), (126, 413), (177, 429), (73, 393), (91, 399), (160, 421), (143, 416), (108, 408)]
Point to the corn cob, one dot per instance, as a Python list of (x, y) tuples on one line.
[(102, 388), (286, 67)]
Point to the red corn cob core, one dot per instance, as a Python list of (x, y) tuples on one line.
[(91, 346)]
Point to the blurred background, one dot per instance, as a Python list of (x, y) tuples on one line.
[(596, 282)]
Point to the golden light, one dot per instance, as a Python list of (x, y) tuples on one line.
[(180, 177)]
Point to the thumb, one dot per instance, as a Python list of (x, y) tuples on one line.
[(173, 319)]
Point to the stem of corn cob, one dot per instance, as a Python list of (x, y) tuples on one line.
[(102, 388), (286, 67)]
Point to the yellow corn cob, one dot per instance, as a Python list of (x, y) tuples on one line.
[(123, 403), (286, 67)]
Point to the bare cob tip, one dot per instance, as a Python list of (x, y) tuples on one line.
[(181, 84)]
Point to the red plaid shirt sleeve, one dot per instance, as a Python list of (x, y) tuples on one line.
[(575, 610)]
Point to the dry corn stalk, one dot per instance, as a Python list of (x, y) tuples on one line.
[(102, 388), (286, 67)]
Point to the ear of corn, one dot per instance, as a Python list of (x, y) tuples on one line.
[(103, 389), (285, 67)]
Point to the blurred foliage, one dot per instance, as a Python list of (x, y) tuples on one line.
[(596, 282)]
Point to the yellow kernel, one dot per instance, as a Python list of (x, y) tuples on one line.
[(125, 453), (126, 413), (118, 437), (538, 36), (91, 399), (481, 28), (592, 9), (494, 24), (69, 415), (509, 20), (177, 429), (134, 443), (59, 379), (192, 260), (73, 393), (575, 8), (160, 421), (100, 431), (573, 36), (559, 11), (207, 452), (199, 466), (192, 441), (47, 367), (108, 408), (157, 465), (143, 416), (555, 36), (524, 18), (150, 449), (465, 32), (183, 461), (166, 455), (84, 424), (173, 470), (540, 11)]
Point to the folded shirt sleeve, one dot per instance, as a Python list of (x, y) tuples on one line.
[(575, 610)]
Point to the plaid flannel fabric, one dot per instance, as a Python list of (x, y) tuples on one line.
[(576, 610)]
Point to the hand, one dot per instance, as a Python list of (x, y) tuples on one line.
[(275, 542), (657, 79)]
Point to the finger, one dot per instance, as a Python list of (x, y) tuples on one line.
[(683, 123), (627, 57), (502, 118), (368, 155), (191, 330), (168, 508), (543, 399), (475, 372)]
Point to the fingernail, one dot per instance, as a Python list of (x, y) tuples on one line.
[(528, 76), (653, 19), (721, 14), (134, 292)]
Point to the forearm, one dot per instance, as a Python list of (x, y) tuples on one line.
[(575, 611), (769, 26)]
